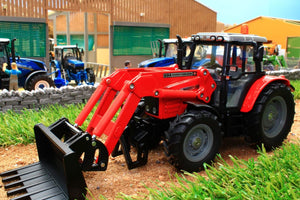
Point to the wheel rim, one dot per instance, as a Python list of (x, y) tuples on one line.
[(42, 84), (274, 116), (198, 143)]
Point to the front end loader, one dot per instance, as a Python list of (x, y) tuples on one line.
[(189, 109), (64, 149)]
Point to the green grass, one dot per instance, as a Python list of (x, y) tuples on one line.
[(269, 177), (17, 128), (296, 84)]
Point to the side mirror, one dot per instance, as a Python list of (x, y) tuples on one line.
[(179, 52)]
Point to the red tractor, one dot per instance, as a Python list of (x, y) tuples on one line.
[(190, 110)]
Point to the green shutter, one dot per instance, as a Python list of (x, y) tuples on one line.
[(61, 40), (128, 40), (31, 37), (76, 39)]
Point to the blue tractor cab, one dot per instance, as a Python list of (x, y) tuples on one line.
[(165, 53)]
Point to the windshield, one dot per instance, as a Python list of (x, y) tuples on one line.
[(71, 53), (3, 54), (212, 56), (171, 50)]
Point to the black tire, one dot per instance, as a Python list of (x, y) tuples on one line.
[(193, 139), (91, 78), (272, 116), (39, 81)]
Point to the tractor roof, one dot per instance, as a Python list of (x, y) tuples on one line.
[(4, 40), (228, 37), (174, 40), (65, 47)]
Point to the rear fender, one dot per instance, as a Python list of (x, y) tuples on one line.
[(257, 88), (32, 75)]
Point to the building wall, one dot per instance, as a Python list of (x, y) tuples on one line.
[(220, 27), (185, 17), (273, 29)]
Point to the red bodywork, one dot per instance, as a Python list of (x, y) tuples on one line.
[(125, 88), (257, 88)]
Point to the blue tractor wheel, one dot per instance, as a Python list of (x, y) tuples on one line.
[(39, 81)]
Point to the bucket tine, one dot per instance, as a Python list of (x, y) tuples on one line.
[(57, 175)]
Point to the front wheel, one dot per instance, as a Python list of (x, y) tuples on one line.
[(39, 81), (193, 139), (91, 78), (272, 116)]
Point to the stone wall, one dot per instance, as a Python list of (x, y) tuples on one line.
[(293, 74), (18, 100)]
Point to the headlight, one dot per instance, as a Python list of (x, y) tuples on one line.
[(154, 110)]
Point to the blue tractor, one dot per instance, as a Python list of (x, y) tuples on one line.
[(66, 65), (33, 72), (167, 54)]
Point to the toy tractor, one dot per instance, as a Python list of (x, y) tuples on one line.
[(33, 72), (190, 110), (66, 65), (165, 53)]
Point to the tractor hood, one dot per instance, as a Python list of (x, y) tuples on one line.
[(30, 64), (75, 63), (157, 62)]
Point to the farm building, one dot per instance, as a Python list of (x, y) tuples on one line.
[(110, 31), (283, 32)]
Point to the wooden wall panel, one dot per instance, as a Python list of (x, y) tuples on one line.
[(23, 8), (184, 17)]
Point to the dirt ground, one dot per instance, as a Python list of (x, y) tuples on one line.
[(118, 179)]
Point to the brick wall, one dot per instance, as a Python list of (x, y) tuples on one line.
[(18, 100)]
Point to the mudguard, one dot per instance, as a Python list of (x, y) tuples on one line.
[(257, 88), (33, 74)]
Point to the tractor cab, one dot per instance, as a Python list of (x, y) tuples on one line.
[(234, 61), (4, 51)]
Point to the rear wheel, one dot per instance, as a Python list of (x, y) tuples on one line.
[(39, 81), (272, 116), (193, 139)]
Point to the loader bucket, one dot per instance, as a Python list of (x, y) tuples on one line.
[(56, 176)]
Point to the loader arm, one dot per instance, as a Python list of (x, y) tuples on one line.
[(125, 88)]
